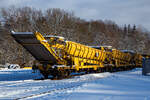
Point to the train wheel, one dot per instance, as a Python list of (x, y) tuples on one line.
[(62, 74), (46, 76), (98, 70)]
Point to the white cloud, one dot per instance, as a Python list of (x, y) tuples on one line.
[(120, 11)]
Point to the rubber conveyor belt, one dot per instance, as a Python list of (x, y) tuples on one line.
[(29, 41)]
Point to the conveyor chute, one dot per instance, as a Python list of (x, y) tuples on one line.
[(29, 41)]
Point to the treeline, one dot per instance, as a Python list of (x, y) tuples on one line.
[(55, 21)]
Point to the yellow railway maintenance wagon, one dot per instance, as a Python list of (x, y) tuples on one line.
[(121, 58), (59, 57)]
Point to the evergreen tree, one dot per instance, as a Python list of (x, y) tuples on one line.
[(125, 28), (0, 25), (129, 28), (134, 28)]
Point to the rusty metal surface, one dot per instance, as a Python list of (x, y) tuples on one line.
[(33, 46)]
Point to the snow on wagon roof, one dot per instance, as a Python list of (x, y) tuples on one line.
[(47, 36), (21, 32)]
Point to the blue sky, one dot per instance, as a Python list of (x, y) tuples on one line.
[(121, 11)]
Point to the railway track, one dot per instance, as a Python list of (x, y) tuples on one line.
[(74, 83), (48, 92)]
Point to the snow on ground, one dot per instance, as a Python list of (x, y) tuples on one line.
[(127, 85)]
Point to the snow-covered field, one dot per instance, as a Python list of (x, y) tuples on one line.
[(127, 85)]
